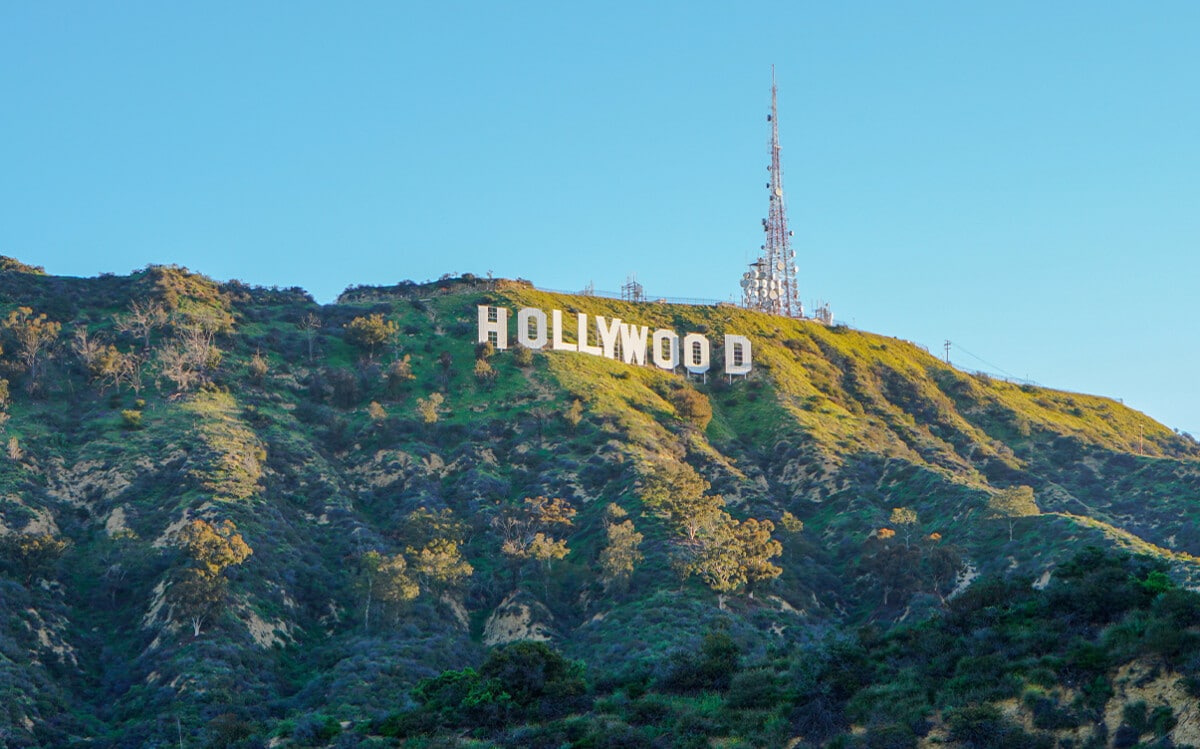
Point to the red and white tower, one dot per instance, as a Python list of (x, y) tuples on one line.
[(770, 284)]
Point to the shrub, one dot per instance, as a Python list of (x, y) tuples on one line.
[(692, 406), (754, 689), (535, 676), (712, 668), (131, 419), (522, 356)]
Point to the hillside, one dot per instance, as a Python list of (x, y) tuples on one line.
[(229, 513)]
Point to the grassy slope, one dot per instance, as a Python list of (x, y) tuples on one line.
[(836, 426)]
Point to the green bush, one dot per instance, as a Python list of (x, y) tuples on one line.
[(536, 677)]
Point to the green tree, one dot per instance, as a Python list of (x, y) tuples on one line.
[(573, 414), (422, 526), (757, 548), (439, 565), (1012, 503), (535, 676), (434, 547), (729, 555), (893, 567), (791, 523), (906, 519), (200, 590), (371, 332), (621, 556), (678, 493), (386, 579), (31, 555), (526, 531)]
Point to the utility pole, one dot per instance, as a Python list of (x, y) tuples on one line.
[(947, 345), (770, 285)]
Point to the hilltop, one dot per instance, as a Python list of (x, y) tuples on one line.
[(229, 512)]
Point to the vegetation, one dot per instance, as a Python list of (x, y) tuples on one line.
[(455, 545)]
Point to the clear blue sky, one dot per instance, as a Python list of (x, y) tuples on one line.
[(1022, 178)]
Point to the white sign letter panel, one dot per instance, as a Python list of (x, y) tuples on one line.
[(584, 346), (493, 320), (696, 354), (538, 339), (633, 343), (737, 355), (608, 335), (670, 359), (559, 344)]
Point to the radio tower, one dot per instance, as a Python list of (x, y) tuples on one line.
[(770, 284)]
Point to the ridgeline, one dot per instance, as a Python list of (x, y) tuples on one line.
[(230, 516)]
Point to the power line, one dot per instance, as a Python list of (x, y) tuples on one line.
[(980, 359)]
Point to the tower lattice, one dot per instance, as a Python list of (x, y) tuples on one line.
[(770, 284)]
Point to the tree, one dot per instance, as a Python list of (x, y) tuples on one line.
[(31, 555), (34, 335), (791, 523), (535, 676), (427, 408), (756, 549), (526, 530), (142, 319), (376, 412), (907, 520), (371, 332), (107, 364), (310, 324), (940, 564), (895, 567), (399, 373), (730, 554), (386, 578), (191, 358), (439, 564), (677, 492), (485, 373), (211, 549), (423, 526), (622, 555), (1012, 503), (574, 414), (445, 368), (433, 545)]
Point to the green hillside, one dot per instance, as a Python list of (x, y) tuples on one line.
[(230, 516)]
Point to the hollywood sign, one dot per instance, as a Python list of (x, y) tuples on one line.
[(613, 339)]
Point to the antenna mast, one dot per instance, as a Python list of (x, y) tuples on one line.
[(770, 284)]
